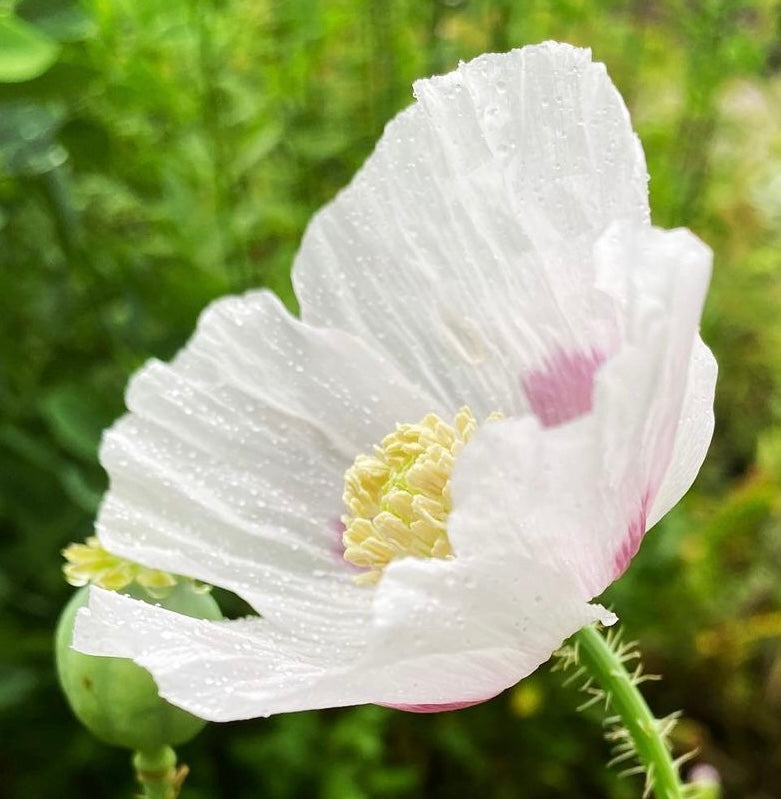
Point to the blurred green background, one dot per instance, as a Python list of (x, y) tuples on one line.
[(156, 155)]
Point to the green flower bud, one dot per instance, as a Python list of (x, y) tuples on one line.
[(114, 698)]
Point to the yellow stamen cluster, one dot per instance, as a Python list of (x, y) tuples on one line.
[(398, 499), (90, 563)]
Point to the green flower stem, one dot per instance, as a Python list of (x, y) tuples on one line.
[(157, 773), (604, 665)]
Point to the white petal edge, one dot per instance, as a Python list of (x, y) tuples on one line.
[(693, 437)]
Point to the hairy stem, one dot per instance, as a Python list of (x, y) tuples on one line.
[(645, 735)]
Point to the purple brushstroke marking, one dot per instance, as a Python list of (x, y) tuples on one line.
[(634, 536)]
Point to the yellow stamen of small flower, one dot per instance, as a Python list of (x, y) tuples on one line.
[(90, 563), (398, 499)]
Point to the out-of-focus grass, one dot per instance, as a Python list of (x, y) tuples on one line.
[(174, 152)]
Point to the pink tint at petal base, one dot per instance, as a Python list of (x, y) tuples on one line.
[(564, 388), (444, 707), (634, 536), (336, 526)]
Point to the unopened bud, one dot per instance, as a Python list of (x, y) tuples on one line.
[(116, 699)]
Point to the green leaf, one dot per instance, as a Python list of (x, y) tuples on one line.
[(75, 420), (77, 486), (63, 20), (25, 52)]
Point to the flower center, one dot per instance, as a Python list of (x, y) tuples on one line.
[(398, 499)]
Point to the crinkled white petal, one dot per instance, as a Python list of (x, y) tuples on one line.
[(221, 671), (230, 465), (464, 245), (580, 494)]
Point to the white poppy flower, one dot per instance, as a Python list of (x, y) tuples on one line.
[(497, 364)]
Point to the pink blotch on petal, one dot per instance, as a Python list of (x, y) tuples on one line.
[(441, 708), (564, 388)]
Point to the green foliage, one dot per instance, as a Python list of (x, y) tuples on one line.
[(154, 156), (25, 52)]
